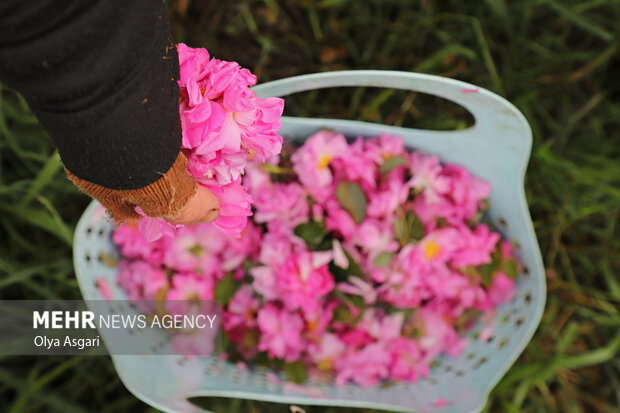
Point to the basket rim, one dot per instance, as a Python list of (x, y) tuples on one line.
[(537, 270)]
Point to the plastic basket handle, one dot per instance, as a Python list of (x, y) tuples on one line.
[(496, 118)]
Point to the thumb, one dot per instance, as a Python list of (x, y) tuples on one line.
[(202, 207)]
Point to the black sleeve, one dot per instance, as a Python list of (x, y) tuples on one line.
[(100, 75)]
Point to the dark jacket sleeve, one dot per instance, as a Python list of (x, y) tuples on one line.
[(100, 75)]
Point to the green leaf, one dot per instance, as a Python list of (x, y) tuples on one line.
[(471, 273), (340, 274), (392, 163), (416, 228), (466, 318), (352, 199), (354, 268), (357, 301), (276, 170), (226, 289), (510, 268), (408, 228), (487, 271), (400, 230), (354, 300), (296, 372), (311, 232), (342, 315), (475, 220), (383, 259)]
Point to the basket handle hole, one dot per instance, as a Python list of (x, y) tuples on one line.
[(223, 404), (387, 106)]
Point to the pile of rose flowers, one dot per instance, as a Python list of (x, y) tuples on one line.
[(362, 263)]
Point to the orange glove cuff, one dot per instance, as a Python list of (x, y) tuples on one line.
[(163, 198)]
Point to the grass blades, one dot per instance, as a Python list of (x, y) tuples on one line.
[(556, 60)]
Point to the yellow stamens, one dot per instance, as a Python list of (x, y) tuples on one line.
[(325, 364), (196, 250), (431, 249), (324, 161), (250, 339), (312, 325)]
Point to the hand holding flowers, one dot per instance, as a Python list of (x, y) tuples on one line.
[(224, 126)]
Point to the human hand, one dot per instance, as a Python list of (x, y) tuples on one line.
[(202, 207)]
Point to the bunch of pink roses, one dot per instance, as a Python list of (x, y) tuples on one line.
[(223, 124), (364, 262)]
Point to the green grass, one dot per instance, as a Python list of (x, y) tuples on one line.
[(557, 61)]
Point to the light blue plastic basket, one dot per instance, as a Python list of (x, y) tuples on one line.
[(496, 149)]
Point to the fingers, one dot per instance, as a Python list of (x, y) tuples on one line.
[(202, 207)]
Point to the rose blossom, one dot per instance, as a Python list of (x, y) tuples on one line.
[(280, 333), (303, 278)]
